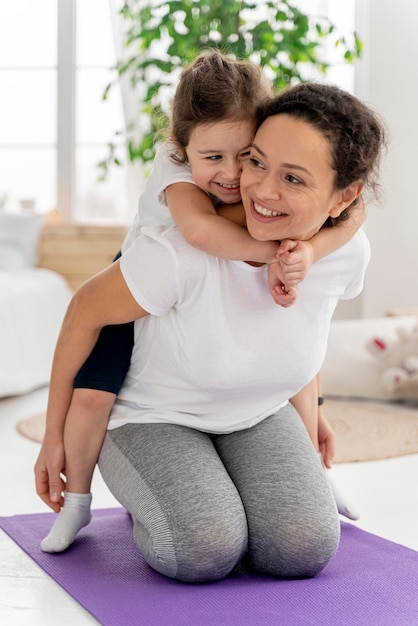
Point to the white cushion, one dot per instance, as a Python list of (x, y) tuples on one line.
[(19, 240)]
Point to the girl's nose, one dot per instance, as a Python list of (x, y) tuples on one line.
[(232, 169)]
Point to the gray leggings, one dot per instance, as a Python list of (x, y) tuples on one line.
[(202, 502)]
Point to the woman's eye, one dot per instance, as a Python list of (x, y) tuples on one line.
[(293, 179), (255, 162)]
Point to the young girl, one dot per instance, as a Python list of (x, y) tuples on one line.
[(197, 175)]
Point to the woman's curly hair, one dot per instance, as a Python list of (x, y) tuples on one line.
[(355, 133)]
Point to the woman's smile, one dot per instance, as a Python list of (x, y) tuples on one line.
[(265, 212)]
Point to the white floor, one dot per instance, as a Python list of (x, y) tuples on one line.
[(385, 493)]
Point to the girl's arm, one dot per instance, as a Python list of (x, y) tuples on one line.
[(295, 257), (328, 240), (234, 213), (89, 311), (206, 229)]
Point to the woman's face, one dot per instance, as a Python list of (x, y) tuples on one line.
[(287, 183)]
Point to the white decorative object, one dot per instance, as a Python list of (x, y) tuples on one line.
[(355, 367)]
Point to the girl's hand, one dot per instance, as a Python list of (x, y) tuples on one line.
[(295, 259), (282, 294), (49, 467)]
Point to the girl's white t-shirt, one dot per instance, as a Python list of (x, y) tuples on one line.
[(216, 353), (152, 206)]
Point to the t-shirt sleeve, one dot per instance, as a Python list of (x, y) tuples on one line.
[(159, 267), (170, 172), (341, 273), (152, 205), (360, 258), (148, 268)]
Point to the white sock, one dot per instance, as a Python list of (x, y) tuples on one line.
[(73, 516), (343, 507)]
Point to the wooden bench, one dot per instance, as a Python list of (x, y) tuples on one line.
[(77, 251)]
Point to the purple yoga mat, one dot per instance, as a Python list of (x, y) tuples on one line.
[(369, 582)]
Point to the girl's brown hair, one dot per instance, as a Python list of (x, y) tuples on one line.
[(214, 88)]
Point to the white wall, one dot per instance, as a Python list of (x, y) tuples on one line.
[(387, 79)]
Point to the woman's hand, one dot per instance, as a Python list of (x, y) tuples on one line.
[(49, 469), (326, 438)]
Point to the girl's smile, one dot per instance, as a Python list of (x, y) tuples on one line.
[(215, 152)]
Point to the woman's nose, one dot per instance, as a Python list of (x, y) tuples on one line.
[(268, 188)]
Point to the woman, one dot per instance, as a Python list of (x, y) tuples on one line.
[(203, 448)]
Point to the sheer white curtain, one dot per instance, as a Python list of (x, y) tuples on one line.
[(55, 57), (135, 172)]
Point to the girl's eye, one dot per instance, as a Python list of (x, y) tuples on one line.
[(214, 157), (244, 155)]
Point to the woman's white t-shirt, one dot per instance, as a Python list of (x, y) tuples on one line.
[(216, 353)]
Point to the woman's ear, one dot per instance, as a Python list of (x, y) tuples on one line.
[(347, 197)]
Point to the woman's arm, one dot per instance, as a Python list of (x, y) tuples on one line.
[(90, 310), (306, 404), (207, 230), (319, 430)]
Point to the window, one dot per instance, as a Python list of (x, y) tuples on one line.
[(342, 15), (96, 121), (55, 57), (28, 78)]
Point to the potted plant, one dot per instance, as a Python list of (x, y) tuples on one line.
[(161, 36)]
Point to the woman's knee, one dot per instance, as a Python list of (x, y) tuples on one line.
[(189, 520), (298, 552), (198, 552), (211, 554)]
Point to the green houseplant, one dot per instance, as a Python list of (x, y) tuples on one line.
[(161, 36)]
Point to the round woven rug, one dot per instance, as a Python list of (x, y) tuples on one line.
[(368, 431), (365, 431), (32, 427)]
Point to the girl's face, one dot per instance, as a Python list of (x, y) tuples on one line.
[(215, 152), (287, 183)]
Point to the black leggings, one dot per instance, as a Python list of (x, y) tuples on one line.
[(106, 367)]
